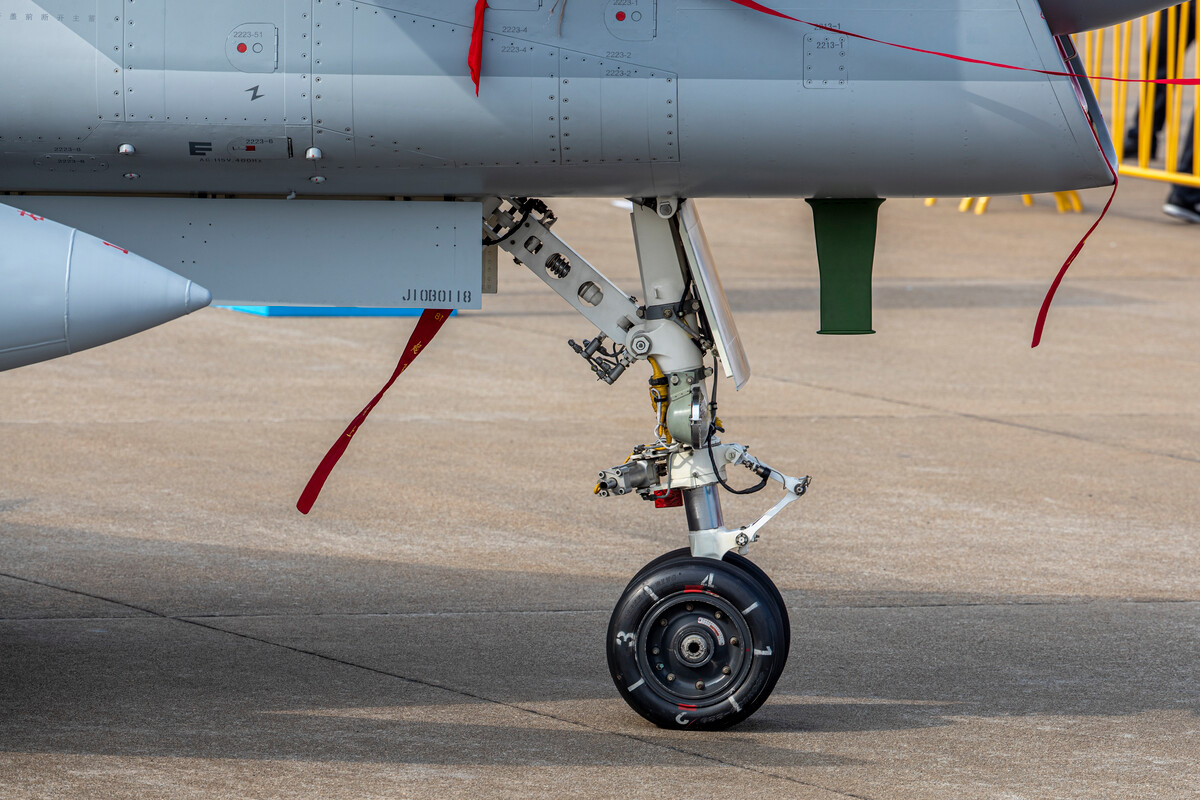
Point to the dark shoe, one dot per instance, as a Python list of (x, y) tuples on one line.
[(1187, 213)]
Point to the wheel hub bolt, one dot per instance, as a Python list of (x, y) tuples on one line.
[(725, 670), (655, 651), (670, 676), (658, 667), (663, 622), (690, 606), (734, 641), (699, 684), (718, 615)]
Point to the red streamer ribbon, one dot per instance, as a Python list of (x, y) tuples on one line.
[(1045, 309), (428, 325), (475, 54)]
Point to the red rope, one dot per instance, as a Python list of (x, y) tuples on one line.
[(1045, 309), (428, 325), (475, 54)]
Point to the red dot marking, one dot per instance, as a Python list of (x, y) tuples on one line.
[(620, 16), (242, 47)]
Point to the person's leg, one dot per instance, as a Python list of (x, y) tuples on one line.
[(1159, 114), (1184, 201)]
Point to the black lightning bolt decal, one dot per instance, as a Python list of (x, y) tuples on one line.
[(256, 94)]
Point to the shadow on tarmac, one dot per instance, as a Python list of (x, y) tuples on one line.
[(264, 654)]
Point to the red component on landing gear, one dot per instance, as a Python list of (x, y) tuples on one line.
[(668, 498)]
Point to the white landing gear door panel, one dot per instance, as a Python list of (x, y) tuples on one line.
[(712, 295)]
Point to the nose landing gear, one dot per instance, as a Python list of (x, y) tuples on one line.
[(700, 636)]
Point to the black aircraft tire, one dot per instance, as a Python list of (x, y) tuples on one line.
[(674, 555), (757, 573), (696, 643), (737, 560)]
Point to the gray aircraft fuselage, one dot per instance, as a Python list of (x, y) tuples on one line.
[(686, 98), (176, 130)]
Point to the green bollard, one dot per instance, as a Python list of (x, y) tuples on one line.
[(846, 253)]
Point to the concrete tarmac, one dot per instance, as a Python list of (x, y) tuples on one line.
[(994, 582)]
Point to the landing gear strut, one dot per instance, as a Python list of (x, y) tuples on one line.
[(700, 636)]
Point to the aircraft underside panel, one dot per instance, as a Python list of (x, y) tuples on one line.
[(333, 253), (675, 98)]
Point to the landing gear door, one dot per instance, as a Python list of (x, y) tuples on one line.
[(712, 296)]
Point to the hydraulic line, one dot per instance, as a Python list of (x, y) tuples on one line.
[(659, 399)]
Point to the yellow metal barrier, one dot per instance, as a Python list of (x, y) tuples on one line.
[(1064, 201), (1155, 46)]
